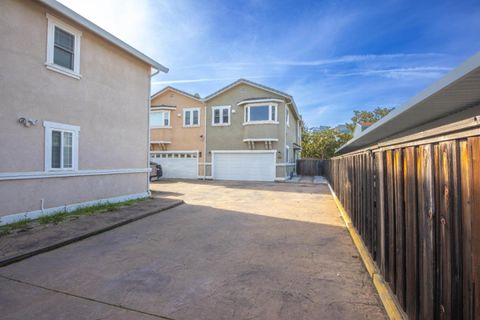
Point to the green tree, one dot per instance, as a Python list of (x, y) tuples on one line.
[(367, 117), (322, 144)]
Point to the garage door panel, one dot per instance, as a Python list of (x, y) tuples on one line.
[(244, 166), (180, 165)]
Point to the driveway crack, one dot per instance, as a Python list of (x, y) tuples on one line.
[(87, 298)]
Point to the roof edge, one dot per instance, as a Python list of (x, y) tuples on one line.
[(189, 95), (454, 75), (69, 13)]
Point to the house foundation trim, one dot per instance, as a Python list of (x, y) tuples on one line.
[(62, 174), (67, 208)]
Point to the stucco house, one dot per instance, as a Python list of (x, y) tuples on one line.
[(74, 112), (244, 131), (253, 133), (177, 135)]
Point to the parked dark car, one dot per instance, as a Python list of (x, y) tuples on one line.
[(156, 172)]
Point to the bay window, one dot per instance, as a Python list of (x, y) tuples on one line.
[(261, 113)]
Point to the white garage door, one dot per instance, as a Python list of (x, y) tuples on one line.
[(181, 165), (244, 165)]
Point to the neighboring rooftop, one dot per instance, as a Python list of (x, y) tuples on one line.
[(319, 128), (455, 92), (195, 96), (69, 13)]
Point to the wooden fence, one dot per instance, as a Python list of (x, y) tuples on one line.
[(310, 167), (417, 208)]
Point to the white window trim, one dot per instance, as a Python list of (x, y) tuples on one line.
[(247, 120), (75, 130), (287, 154), (169, 119), (185, 110), (221, 116), (287, 116), (52, 23)]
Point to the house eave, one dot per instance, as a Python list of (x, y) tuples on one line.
[(456, 91), (72, 15)]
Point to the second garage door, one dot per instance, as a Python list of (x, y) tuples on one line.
[(177, 164), (244, 165)]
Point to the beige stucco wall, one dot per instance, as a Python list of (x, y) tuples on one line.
[(231, 137), (181, 138), (25, 196), (109, 103)]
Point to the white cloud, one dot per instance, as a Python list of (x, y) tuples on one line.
[(166, 82)]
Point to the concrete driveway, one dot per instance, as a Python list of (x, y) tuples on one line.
[(235, 250)]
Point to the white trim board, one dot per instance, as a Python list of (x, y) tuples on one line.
[(260, 100), (175, 151), (260, 139), (29, 215), (62, 174), (283, 164), (243, 151)]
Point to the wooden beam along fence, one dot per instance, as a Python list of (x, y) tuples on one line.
[(417, 209)]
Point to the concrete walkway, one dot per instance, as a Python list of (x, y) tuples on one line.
[(234, 251)]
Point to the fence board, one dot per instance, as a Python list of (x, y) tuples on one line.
[(411, 249), (426, 215), (466, 187), (382, 223), (310, 167), (391, 221), (399, 227), (475, 225)]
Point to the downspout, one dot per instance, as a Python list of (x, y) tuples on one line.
[(155, 72), (205, 143), (285, 139)]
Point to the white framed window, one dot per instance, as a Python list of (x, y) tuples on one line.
[(261, 113), (287, 116), (160, 119), (63, 48), (287, 154), (191, 117), (61, 146), (221, 115)]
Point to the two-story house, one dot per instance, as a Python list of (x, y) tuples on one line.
[(253, 133), (177, 133), (244, 131), (74, 112)]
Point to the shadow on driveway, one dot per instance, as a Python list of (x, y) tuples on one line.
[(200, 262)]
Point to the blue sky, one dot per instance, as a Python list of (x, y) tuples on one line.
[(332, 56)]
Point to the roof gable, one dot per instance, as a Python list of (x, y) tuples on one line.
[(181, 92), (258, 86), (248, 83)]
